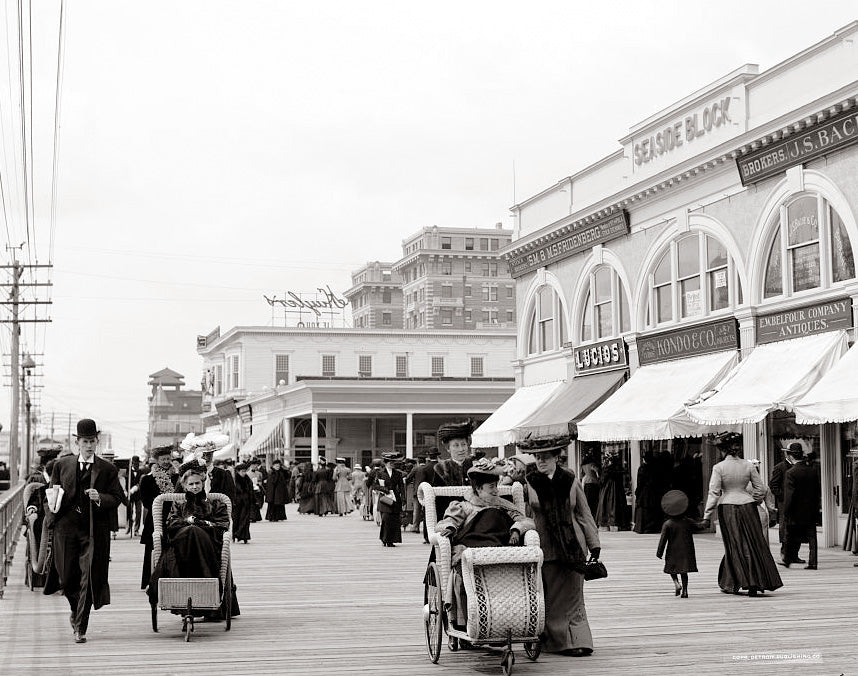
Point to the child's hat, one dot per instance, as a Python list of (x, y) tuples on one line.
[(674, 503)]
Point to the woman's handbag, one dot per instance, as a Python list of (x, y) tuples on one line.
[(386, 499), (594, 569)]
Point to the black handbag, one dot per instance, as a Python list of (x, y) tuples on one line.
[(594, 569), (386, 499)]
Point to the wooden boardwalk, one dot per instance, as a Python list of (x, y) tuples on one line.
[(322, 596)]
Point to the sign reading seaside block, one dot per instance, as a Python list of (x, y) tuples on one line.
[(580, 239), (804, 321), (838, 132), (714, 337)]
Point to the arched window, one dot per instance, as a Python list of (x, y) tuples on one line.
[(694, 277), (810, 248), (303, 428), (606, 307), (547, 329)]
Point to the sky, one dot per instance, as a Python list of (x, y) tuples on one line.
[(210, 152)]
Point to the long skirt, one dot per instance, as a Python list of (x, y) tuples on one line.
[(344, 502), (747, 561), (306, 503), (566, 624), (390, 530), (276, 512), (241, 520)]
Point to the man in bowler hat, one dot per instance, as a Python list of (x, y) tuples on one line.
[(802, 498), (91, 491)]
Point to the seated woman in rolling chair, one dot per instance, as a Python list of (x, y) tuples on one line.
[(482, 520), (195, 531)]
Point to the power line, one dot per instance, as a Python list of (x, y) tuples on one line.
[(57, 101)]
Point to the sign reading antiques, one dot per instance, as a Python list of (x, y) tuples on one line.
[(838, 132), (804, 321), (604, 356), (312, 305), (580, 239), (714, 337)]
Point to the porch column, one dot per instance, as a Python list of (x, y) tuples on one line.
[(286, 425), (409, 435), (501, 450), (314, 438)]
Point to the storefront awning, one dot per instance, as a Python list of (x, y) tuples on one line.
[(264, 436), (835, 397), (651, 404), (774, 376), (574, 400), (498, 429)]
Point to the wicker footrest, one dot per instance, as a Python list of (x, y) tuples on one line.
[(174, 592)]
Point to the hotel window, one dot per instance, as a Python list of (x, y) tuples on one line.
[(469, 243), (510, 292), (437, 367), (468, 291), (493, 269), (233, 372), (218, 379), (493, 244), (484, 243), (446, 243), (606, 307), (365, 365), (281, 369), (476, 367), (468, 316), (509, 315), (467, 266), (401, 366), (447, 268), (446, 317), (810, 248), (446, 291), (485, 268), (329, 365), (547, 324), (385, 296), (491, 316), (694, 277), (386, 319)]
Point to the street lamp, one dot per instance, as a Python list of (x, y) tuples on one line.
[(27, 366)]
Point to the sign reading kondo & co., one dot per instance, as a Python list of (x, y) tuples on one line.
[(804, 321), (605, 356), (701, 339), (580, 239), (838, 132)]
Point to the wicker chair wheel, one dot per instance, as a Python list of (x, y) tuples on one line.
[(507, 662), (433, 612), (533, 650), (227, 590)]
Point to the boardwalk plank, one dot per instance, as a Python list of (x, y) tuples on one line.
[(321, 596)]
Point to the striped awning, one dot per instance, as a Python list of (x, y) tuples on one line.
[(266, 437)]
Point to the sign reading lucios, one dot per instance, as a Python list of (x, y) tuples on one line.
[(838, 132), (580, 239), (804, 321), (604, 356), (712, 337), (683, 130)]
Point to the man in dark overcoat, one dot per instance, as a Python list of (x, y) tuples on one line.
[(81, 523), (424, 472), (776, 486), (802, 498)]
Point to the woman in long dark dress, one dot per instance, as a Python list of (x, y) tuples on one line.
[(243, 506), (748, 562), (157, 482), (276, 488), (390, 482), (567, 532), (194, 535), (613, 510), (648, 517)]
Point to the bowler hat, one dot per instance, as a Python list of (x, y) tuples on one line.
[(433, 452), (86, 427), (390, 456), (674, 503), (795, 449)]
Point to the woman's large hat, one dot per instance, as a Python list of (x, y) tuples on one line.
[(460, 430), (486, 470), (390, 456), (554, 443), (674, 503)]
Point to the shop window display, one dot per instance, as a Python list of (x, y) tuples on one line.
[(606, 306), (614, 509), (782, 431)]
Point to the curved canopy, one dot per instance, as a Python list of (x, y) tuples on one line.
[(498, 429), (835, 397)]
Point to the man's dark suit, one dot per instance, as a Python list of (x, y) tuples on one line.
[(802, 497), (423, 473), (82, 546), (776, 486)]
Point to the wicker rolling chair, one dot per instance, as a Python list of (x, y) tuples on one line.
[(503, 584)]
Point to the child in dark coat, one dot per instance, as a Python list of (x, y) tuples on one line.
[(677, 538)]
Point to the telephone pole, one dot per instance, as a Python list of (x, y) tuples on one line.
[(17, 469)]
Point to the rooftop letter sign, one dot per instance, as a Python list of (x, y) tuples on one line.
[(584, 237)]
